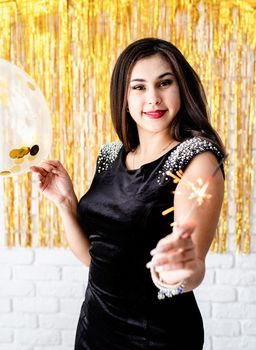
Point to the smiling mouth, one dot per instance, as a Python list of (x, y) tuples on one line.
[(155, 114)]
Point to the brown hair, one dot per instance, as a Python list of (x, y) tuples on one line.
[(193, 116)]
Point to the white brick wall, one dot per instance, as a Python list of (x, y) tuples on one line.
[(41, 292), (228, 302)]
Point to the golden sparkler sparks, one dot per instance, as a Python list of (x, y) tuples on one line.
[(198, 188), (199, 191)]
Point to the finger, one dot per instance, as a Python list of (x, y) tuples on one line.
[(43, 184), (184, 229), (57, 168), (173, 242), (179, 256), (183, 244), (177, 244), (175, 256), (48, 166), (44, 168), (38, 170), (56, 172), (172, 276), (177, 233), (174, 266), (56, 164), (40, 184), (169, 267), (40, 178)]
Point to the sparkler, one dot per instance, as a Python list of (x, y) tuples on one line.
[(198, 189), (198, 192)]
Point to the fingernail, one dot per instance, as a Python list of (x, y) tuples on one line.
[(149, 265), (153, 251), (175, 229), (157, 250)]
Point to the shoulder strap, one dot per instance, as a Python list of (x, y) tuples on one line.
[(108, 155)]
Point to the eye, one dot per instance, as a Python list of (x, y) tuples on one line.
[(138, 87), (165, 83)]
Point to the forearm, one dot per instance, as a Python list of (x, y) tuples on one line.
[(76, 237)]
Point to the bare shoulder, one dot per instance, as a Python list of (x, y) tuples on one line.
[(199, 171), (203, 165)]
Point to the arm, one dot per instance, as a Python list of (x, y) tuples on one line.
[(55, 184), (181, 255), (76, 237)]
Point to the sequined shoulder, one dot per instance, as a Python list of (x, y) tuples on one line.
[(107, 155), (183, 154)]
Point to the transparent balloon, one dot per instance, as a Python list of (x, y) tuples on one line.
[(25, 121)]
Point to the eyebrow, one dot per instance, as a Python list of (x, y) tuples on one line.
[(160, 77)]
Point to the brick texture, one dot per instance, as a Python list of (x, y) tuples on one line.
[(40, 300)]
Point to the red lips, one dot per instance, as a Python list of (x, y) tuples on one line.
[(158, 113)]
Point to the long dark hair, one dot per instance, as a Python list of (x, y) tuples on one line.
[(193, 116)]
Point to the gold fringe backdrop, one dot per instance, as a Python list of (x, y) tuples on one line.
[(69, 48)]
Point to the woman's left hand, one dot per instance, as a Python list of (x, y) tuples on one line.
[(174, 258)]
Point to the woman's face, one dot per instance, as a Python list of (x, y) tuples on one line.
[(153, 94)]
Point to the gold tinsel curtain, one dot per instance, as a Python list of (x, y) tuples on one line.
[(69, 47)]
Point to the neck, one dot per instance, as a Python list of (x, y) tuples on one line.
[(149, 149), (152, 144)]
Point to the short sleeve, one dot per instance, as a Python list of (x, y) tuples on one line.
[(184, 153)]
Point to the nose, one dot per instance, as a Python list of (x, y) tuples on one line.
[(153, 98)]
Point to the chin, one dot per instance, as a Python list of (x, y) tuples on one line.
[(157, 130)]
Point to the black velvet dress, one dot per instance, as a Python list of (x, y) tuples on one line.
[(121, 214)]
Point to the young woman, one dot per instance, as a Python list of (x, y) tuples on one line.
[(137, 262)]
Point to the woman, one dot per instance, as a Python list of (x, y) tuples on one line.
[(159, 111)]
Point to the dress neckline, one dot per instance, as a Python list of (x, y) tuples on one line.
[(149, 164)]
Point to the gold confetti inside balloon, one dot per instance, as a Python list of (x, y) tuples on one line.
[(25, 121)]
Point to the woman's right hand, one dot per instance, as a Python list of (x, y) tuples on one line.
[(54, 182)]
